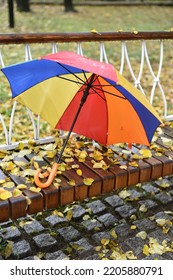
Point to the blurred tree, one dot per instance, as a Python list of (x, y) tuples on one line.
[(11, 13), (23, 5), (68, 4)]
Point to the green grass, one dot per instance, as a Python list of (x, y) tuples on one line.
[(110, 18), (44, 18)]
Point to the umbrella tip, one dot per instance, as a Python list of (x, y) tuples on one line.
[(130, 145)]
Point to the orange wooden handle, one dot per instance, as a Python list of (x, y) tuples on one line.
[(50, 176)]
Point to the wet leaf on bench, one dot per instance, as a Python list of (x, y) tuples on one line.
[(4, 194), (34, 189), (88, 181), (17, 192)]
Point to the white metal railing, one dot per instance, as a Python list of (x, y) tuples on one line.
[(124, 58)]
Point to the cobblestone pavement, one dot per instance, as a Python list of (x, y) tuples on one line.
[(133, 223)]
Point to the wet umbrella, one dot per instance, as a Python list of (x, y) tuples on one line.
[(85, 96)]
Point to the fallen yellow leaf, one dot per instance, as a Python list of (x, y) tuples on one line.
[(9, 185), (142, 235), (17, 192), (34, 189), (21, 187), (145, 153), (88, 181), (5, 195), (123, 167), (146, 250), (28, 200), (123, 194), (58, 213), (72, 182), (133, 227), (130, 255), (105, 241), (69, 215), (79, 172), (133, 163), (95, 31)]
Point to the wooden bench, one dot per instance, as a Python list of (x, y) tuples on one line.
[(104, 181)]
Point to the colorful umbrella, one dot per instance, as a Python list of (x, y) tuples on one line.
[(91, 98)]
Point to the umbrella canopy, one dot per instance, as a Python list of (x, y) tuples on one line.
[(85, 96), (114, 111)]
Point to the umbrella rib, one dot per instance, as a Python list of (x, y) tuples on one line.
[(95, 86), (70, 80), (105, 91), (116, 95), (82, 82), (84, 75), (71, 73)]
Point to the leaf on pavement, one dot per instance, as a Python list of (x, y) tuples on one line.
[(124, 194), (142, 235)]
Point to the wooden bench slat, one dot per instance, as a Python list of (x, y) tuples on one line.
[(37, 203), (4, 210)]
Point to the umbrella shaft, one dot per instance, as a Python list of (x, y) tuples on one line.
[(69, 133), (83, 99), (86, 91)]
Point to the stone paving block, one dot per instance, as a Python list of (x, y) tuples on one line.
[(163, 215), (135, 195), (69, 233), (122, 231), (149, 203), (145, 224), (154, 257), (54, 220), (78, 211), (114, 200), (163, 183), (134, 244), (10, 233), (171, 192), (107, 219), (58, 255), (44, 240), (150, 189), (21, 249), (168, 256), (125, 211), (96, 206), (164, 198), (97, 237), (92, 257), (29, 258), (91, 224), (33, 227), (82, 246), (159, 236)]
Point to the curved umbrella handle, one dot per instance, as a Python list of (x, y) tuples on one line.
[(50, 176)]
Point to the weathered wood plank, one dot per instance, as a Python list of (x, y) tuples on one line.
[(63, 192)]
